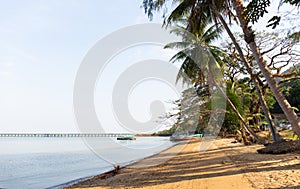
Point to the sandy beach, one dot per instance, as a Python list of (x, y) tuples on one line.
[(224, 165)]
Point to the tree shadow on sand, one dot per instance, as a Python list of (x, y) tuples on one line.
[(190, 165)]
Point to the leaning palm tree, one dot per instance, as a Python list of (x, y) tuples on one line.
[(204, 36), (198, 72), (250, 39), (212, 10)]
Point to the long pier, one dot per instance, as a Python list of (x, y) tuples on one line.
[(62, 134)]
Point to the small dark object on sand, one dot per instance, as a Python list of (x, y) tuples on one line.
[(281, 147), (110, 173)]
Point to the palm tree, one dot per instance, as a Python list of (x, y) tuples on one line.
[(204, 11), (198, 72), (250, 39), (204, 36), (254, 78)]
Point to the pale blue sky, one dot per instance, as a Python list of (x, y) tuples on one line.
[(42, 45)]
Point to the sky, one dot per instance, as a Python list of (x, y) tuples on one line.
[(42, 44)]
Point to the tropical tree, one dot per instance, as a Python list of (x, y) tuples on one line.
[(290, 88), (194, 71), (238, 57), (232, 123), (244, 21), (213, 10)]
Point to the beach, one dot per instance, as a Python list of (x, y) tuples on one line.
[(224, 165)]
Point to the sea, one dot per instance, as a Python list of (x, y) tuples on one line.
[(54, 162)]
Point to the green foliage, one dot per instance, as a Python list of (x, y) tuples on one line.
[(152, 5), (269, 98), (256, 9), (292, 93), (291, 90), (231, 121), (295, 36), (193, 52), (167, 132)]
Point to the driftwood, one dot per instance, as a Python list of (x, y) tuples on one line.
[(110, 173)]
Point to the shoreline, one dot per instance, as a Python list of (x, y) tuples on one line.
[(70, 183), (124, 165), (224, 165)]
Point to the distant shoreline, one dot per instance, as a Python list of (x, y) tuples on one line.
[(71, 135)]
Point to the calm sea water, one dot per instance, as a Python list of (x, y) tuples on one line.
[(53, 162)]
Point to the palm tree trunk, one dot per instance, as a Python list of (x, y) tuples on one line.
[(250, 39), (275, 135), (244, 123), (244, 136)]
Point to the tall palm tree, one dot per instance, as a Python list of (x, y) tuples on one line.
[(199, 72), (254, 78), (204, 36), (250, 39)]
